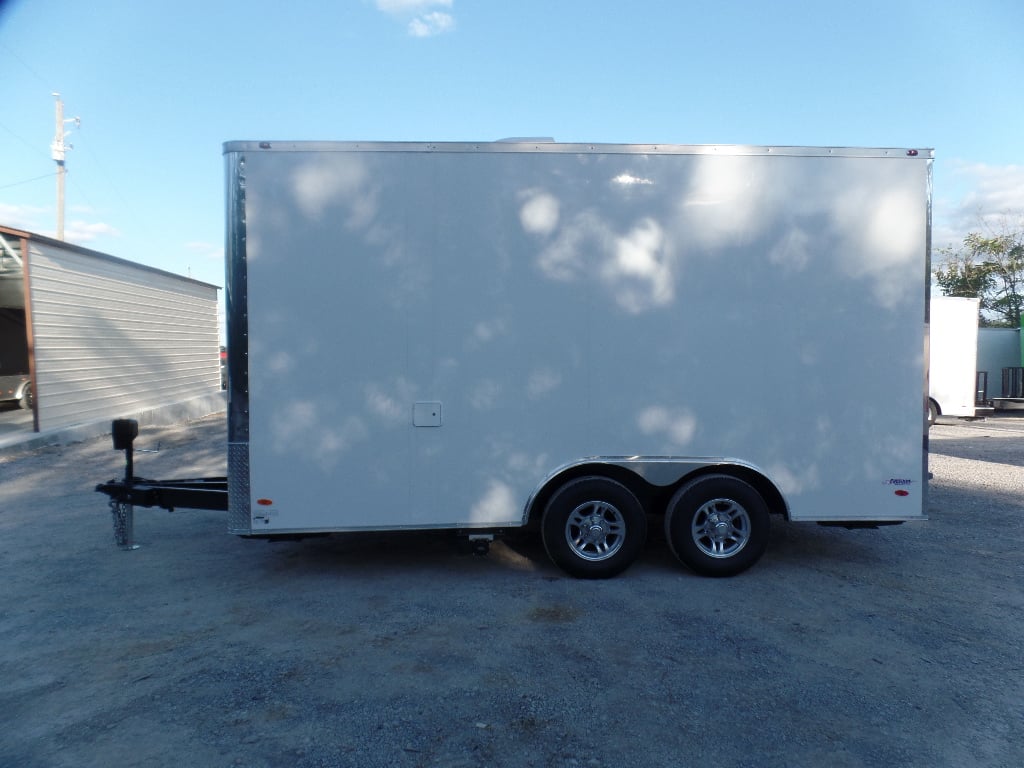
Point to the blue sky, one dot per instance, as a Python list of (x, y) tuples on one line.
[(160, 86)]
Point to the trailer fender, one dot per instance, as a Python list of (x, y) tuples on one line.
[(653, 480)]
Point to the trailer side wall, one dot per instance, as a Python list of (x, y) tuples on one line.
[(431, 330)]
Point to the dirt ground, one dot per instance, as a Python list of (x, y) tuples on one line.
[(895, 647)]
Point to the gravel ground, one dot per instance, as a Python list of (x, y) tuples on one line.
[(895, 647)]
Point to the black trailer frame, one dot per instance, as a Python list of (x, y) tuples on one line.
[(193, 493)]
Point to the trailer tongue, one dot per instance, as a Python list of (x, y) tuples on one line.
[(131, 492)]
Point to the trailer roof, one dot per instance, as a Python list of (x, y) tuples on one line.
[(546, 146)]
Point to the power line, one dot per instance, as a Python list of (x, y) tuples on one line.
[(100, 166), (35, 148), (28, 181), (24, 63)]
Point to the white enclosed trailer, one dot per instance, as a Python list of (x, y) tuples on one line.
[(573, 338), (953, 352), (491, 336)]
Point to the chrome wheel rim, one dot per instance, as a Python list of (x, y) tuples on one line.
[(721, 528), (595, 530)]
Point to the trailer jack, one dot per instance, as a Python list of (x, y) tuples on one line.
[(132, 491)]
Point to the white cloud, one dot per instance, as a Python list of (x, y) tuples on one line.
[(640, 272), (206, 250), (335, 180), (391, 404), (637, 268), (792, 251), (541, 382), (539, 214), (422, 16), (794, 481), (292, 425), (678, 425), (729, 201), (626, 179), (87, 232), (486, 331), (879, 222), (280, 362), (998, 189), (430, 24), (25, 217), (41, 221), (399, 7), (484, 395), (498, 504), (993, 196), (565, 258)]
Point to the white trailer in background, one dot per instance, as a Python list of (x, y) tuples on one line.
[(574, 338), (952, 373)]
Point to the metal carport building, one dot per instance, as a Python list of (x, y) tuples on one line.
[(107, 337)]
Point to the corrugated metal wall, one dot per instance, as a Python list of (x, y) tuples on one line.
[(113, 338)]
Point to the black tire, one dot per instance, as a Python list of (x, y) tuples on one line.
[(933, 412), (26, 398), (717, 525), (593, 528)]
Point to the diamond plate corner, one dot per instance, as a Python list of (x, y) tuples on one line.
[(239, 498)]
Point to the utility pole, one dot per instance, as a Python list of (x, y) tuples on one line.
[(57, 149)]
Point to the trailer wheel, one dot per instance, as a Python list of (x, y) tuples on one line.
[(25, 401), (593, 527), (717, 525)]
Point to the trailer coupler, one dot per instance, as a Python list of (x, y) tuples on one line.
[(126, 494)]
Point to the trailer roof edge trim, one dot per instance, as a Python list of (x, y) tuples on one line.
[(538, 146)]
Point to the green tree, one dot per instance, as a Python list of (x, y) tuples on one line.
[(990, 268)]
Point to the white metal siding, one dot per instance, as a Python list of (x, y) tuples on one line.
[(114, 338)]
